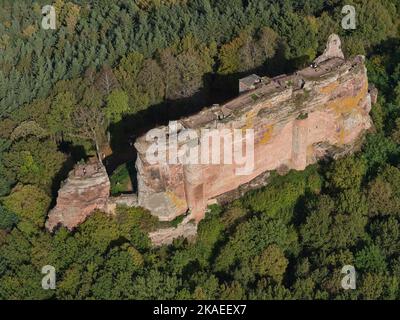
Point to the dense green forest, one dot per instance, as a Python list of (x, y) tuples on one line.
[(113, 69)]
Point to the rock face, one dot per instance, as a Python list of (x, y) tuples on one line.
[(298, 119), (86, 189), (293, 121), (333, 49)]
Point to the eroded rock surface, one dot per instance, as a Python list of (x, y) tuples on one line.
[(320, 111), (86, 189), (333, 49)]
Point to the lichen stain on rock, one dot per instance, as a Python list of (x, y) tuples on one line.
[(347, 104), (267, 135), (328, 89)]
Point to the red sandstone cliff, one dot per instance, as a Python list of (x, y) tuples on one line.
[(318, 111), (86, 189)]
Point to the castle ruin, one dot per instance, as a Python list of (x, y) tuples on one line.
[(322, 110)]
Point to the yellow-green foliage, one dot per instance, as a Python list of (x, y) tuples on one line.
[(29, 203)]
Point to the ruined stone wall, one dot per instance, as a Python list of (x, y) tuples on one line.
[(186, 229)]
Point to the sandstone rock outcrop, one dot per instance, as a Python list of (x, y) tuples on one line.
[(86, 189), (333, 50), (320, 111)]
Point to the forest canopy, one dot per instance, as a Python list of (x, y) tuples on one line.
[(113, 69)]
